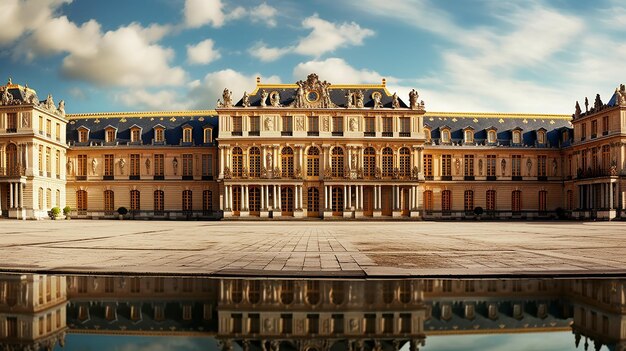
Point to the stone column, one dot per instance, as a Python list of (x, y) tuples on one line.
[(230, 197), (11, 196), (356, 198), (21, 204), (280, 197), (361, 197), (263, 197), (345, 200), (380, 196), (611, 190)]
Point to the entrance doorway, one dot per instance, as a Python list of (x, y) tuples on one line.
[(286, 201), (313, 202), (368, 201), (254, 201), (337, 201), (405, 193), (386, 200), (236, 200)]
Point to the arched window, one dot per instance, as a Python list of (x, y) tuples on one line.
[(286, 162), (207, 202), (468, 201), (369, 162), (81, 201), (337, 293), (135, 203), (237, 163), (446, 202), (517, 137), (109, 201), (187, 201), (516, 201), (387, 162), (491, 200), (405, 162), (313, 162), (428, 201), (158, 202), (445, 136), (312, 292), (40, 196), (541, 137), (469, 136), (337, 164), (543, 200), (254, 291), (254, 159)]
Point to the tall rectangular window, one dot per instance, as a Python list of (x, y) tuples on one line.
[(158, 164), (543, 198), (428, 165), (158, 202), (428, 201), (135, 201), (387, 125), (237, 124), (108, 165), (516, 201), (40, 159), (159, 135), (187, 165), (287, 123), (583, 131), (207, 165), (446, 202), (58, 131), (338, 124), (491, 200), (370, 125), (541, 165), (135, 135), (405, 126), (516, 165), (134, 164), (48, 161), (187, 201), (491, 165), (446, 165), (594, 128), (58, 163), (48, 128), (468, 165), (255, 124), (468, 203), (82, 165), (605, 124), (606, 158), (109, 201), (314, 124), (41, 125)]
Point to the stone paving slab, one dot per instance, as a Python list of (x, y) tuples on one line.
[(323, 249)]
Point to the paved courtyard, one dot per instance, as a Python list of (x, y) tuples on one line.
[(350, 249)]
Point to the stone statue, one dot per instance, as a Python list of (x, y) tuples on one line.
[(529, 165), (577, 111), (359, 99), (25, 120), (597, 105), (349, 99), (268, 160), (457, 166), (326, 102), (246, 100), (413, 95), (69, 167), (94, 165), (264, 95), (61, 108), (175, 165), (267, 122), (275, 99), (299, 100), (503, 166), (148, 165), (352, 124), (395, 103), (621, 95), (49, 104), (300, 124), (122, 164), (227, 99), (586, 105), (376, 96), (554, 167), (10, 81)]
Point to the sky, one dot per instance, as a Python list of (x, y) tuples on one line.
[(526, 56)]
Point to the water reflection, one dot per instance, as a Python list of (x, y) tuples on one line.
[(48, 311)]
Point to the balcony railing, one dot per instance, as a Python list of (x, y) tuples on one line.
[(597, 172), (14, 171), (369, 134)]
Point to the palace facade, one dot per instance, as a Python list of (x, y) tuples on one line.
[(311, 149)]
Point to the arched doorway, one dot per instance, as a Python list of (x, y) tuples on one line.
[(368, 201), (313, 202), (254, 201), (236, 200), (12, 164), (286, 201), (337, 201)]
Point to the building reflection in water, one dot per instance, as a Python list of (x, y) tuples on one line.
[(36, 311)]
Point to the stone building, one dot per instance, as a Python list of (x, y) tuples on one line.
[(311, 149)]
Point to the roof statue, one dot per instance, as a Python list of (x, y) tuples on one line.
[(7, 98), (312, 93), (246, 99), (586, 105), (394, 101), (264, 98), (299, 99), (227, 99), (621, 95), (275, 99), (376, 96), (359, 99), (61, 108), (597, 104), (350, 99), (577, 111), (413, 95)]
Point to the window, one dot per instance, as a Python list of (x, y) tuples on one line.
[(370, 126), (405, 162), (286, 162), (541, 137), (428, 165), (58, 131), (469, 136), (468, 165), (337, 162), (40, 158), (82, 166), (134, 165), (41, 125), (254, 159), (387, 126), (491, 165), (109, 201), (338, 124), (287, 124), (237, 125), (516, 165), (237, 162), (468, 201), (405, 126), (445, 136), (208, 135), (83, 135), (570, 200), (446, 165), (187, 201), (255, 126), (110, 135), (48, 163), (207, 202), (135, 204), (159, 135), (40, 198), (491, 200), (491, 136), (428, 201), (369, 162), (108, 165), (541, 165), (517, 137), (11, 122), (57, 167), (314, 125), (48, 198), (516, 201), (187, 135), (594, 128), (583, 131), (187, 165), (48, 128), (387, 162), (446, 202), (158, 164), (605, 125), (313, 162), (158, 202), (543, 195), (81, 201), (207, 165)]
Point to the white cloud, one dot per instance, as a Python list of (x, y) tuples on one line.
[(324, 37), (202, 53), (336, 71), (204, 94), (20, 16), (264, 13), (159, 100), (200, 12)]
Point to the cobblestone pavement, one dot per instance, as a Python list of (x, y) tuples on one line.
[(372, 249)]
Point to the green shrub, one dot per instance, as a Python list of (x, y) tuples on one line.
[(55, 211), (122, 211), (67, 210)]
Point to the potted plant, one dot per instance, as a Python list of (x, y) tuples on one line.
[(121, 212), (55, 212), (66, 212), (478, 211)]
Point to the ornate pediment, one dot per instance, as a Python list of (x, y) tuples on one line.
[(312, 93)]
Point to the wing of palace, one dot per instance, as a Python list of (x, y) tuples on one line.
[(311, 149)]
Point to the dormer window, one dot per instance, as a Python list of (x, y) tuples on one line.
[(208, 135), (541, 136), (491, 136), (187, 134), (445, 135), (110, 134), (517, 136), (159, 134), (83, 134), (468, 135), (135, 134), (427, 134)]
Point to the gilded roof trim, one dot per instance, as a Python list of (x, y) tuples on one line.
[(182, 113), (496, 115)]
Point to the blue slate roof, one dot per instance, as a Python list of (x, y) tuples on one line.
[(504, 125), (173, 128)]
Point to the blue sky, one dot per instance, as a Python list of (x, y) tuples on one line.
[(536, 56)]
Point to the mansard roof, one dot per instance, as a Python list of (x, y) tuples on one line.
[(172, 122), (503, 123)]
